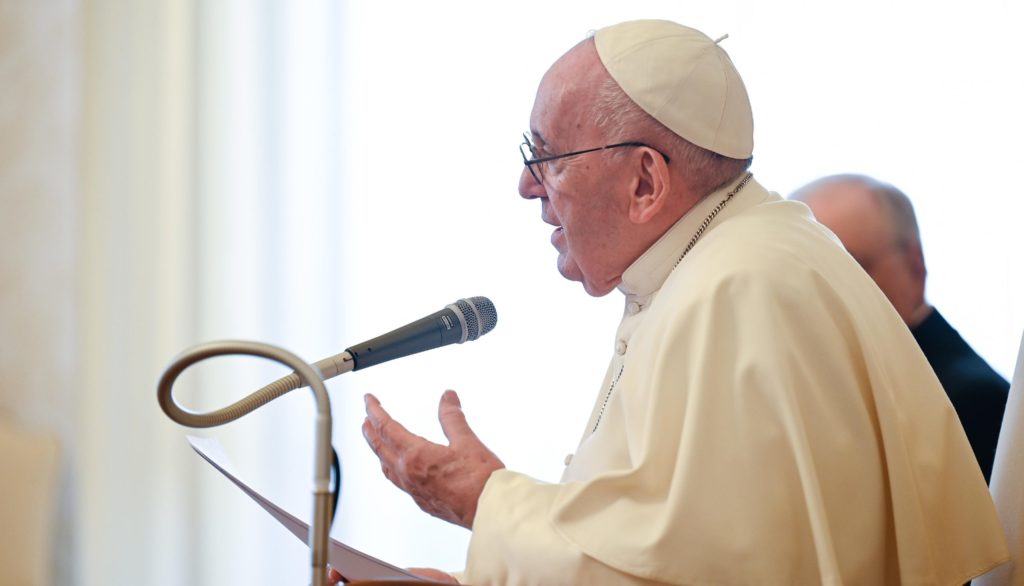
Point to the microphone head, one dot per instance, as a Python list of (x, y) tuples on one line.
[(481, 317)]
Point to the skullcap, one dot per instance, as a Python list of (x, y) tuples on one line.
[(683, 79)]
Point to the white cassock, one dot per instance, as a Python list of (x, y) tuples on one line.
[(1008, 482), (766, 418)]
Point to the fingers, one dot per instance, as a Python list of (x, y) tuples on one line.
[(387, 432), (444, 481), (453, 420), (396, 447), (334, 576), (388, 437), (385, 437), (383, 453), (432, 574)]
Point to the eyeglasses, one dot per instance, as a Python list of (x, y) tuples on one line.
[(532, 161)]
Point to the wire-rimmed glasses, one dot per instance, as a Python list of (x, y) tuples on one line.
[(532, 161)]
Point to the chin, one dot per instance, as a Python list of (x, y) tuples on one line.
[(572, 272), (568, 270), (598, 289), (595, 291)]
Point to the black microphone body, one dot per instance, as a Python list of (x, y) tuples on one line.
[(464, 320), (435, 330)]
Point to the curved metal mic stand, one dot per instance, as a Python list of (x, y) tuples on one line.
[(308, 374)]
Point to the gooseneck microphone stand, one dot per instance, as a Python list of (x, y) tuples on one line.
[(308, 375)]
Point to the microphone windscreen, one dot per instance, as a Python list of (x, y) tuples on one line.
[(480, 314)]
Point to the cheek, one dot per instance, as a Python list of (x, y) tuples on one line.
[(893, 281), (584, 208), (563, 203), (569, 178), (577, 224)]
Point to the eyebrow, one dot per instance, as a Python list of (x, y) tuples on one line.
[(541, 145)]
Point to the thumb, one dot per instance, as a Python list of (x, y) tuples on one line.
[(453, 420)]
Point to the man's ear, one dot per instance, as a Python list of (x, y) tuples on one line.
[(650, 187), (915, 262)]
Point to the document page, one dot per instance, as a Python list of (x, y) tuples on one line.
[(353, 564)]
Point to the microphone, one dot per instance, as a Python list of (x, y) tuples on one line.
[(462, 321)]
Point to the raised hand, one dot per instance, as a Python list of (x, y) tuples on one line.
[(445, 481)]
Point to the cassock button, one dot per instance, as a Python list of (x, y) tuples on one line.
[(620, 347), (633, 308), (568, 459)]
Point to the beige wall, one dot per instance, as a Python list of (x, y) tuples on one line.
[(99, 288), (38, 232)]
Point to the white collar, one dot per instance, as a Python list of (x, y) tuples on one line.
[(648, 272)]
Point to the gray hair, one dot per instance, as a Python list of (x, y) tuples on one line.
[(622, 120), (895, 204)]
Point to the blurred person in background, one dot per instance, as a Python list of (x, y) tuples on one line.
[(876, 223)]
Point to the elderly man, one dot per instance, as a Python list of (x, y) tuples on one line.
[(766, 418), (876, 223)]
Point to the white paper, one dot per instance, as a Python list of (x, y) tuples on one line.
[(352, 563)]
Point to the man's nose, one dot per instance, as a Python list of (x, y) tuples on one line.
[(529, 188)]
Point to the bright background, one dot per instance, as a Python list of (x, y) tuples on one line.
[(312, 174)]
